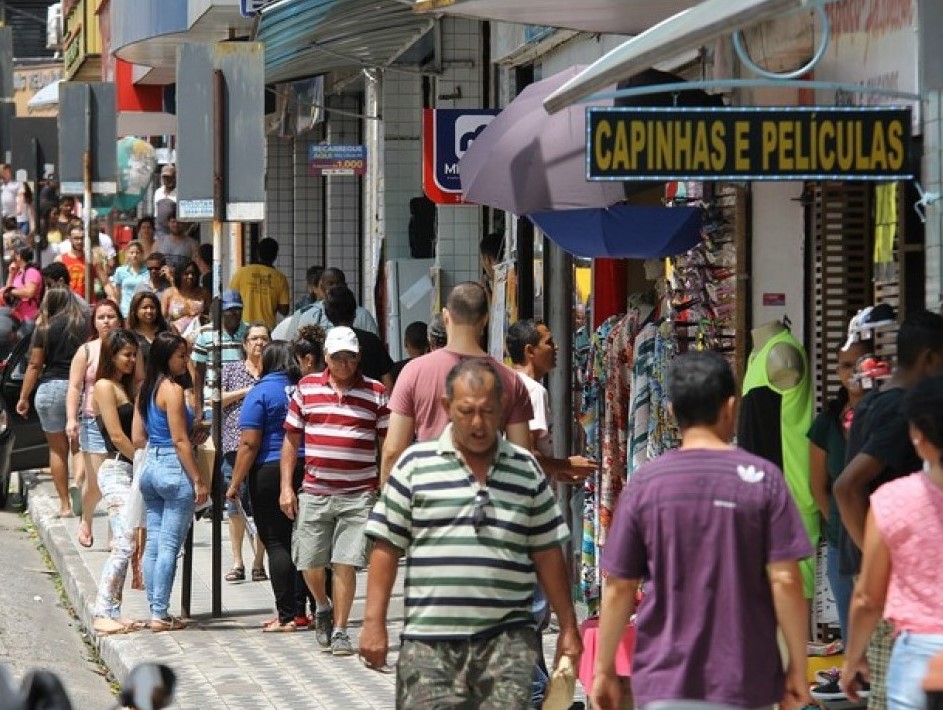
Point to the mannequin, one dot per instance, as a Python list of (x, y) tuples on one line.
[(775, 416), (785, 364)]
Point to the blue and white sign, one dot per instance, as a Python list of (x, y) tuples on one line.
[(447, 133)]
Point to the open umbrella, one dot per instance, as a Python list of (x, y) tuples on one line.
[(622, 231), (527, 160)]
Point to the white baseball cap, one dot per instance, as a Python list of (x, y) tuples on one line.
[(340, 338)]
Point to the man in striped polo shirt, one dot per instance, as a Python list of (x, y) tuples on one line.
[(343, 417), (476, 519)]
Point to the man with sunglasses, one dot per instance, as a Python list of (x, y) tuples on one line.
[(476, 519), (342, 418)]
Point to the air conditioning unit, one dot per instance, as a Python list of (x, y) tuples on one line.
[(54, 28)]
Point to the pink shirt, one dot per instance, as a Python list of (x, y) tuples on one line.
[(422, 382), (909, 515), (28, 308)]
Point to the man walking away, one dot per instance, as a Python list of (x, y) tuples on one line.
[(342, 417), (264, 289), (475, 518), (716, 534)]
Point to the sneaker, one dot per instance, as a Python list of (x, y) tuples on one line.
[(341, 645), (825, 677), (303, 623), (824, 649), (832, 691), (324, 627)]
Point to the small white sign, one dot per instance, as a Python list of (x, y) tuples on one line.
[(195, 209)]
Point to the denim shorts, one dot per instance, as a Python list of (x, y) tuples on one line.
[(908, 665), (50, 405), (90, 436)]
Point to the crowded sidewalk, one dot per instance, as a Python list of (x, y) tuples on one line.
[(220, 663), (226, 662)]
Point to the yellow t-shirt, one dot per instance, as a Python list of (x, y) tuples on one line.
[(263, 290)]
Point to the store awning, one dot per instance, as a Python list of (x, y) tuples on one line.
[(621, 17), (692, 28), (307, 37), (622, 231)]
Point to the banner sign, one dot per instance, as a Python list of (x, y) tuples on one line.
[(446, 135), (327, 159), (788, 143)]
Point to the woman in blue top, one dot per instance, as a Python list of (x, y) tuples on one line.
[(262, 421), (170, 481)]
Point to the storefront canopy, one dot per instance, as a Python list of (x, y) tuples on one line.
[(622, 231), (307, 37), (621, 17), (692, 28)]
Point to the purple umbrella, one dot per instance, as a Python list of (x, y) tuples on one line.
[(527, 160)]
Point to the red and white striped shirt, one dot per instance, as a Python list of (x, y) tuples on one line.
[(341, 433)]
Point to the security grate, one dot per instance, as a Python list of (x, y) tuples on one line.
[(840, 232)]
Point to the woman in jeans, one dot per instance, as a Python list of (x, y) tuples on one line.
[(238, 378), (170, 481), (59, 333), (901, 576), (80, 415), (262, 422), (114, 411)]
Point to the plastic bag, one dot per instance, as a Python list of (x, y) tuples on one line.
[(135, 514)]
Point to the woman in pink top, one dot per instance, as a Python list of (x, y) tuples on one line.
[(901, 575), (80, 415)]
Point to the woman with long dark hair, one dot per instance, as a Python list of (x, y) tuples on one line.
[(80, 415), (185, 300), (59, 333), (262, 421), (146, 321), (170, 482), (114, 410)]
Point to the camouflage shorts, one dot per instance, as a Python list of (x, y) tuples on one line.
[(490, 674), (879, 655)]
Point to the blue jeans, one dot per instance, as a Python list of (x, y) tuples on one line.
[(169, 501), (842, 586), (909, 660)]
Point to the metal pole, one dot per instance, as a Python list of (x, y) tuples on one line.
[(219, 205), (87, 193), (373, 185), (558, 309), (37, 235)]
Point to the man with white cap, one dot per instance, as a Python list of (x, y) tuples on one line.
[(342, 417), (165, 199)]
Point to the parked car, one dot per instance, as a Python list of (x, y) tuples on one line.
[(22, 442)]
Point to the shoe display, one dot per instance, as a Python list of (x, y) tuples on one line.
[(341, 645), (827, 676), (324, 627), (830, 690)]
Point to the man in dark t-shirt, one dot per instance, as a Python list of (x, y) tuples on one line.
[(714, 532), (879, 450), (340, 306)]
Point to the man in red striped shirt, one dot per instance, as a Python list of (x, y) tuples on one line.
[(343, 417)]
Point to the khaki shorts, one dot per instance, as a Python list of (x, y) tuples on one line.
[(329, 530)]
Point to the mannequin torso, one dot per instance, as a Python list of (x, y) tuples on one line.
[(785, 366)]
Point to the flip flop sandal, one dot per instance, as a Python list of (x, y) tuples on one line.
[(86, 539), (236, 574), (169, 624), (114, 627), (275, 626), (259, 575)]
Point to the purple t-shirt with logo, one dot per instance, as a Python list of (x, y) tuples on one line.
[(702, 526)]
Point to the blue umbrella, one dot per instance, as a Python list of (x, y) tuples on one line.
[(622, 231)]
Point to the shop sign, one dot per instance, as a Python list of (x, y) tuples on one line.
[(787, 143), (328, 159), (446, 135), (73, 54)]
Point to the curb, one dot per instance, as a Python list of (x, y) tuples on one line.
[(117, 653)]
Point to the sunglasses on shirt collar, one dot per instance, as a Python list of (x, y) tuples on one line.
[(479, 515)]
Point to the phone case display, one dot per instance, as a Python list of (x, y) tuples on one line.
[(622, 374)]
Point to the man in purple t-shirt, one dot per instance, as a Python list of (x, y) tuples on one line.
[(713, 532)]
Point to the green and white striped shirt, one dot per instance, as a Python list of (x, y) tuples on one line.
[(459, 583)]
